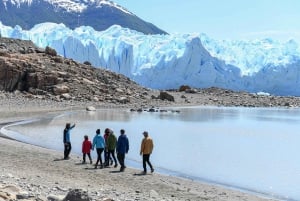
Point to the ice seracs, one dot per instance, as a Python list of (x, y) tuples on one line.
[(169, 61), (252, 55)]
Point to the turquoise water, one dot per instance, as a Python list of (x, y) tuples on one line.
[(253, 149)]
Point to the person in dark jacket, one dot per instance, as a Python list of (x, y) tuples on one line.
[(67, 140), (122, 149), (86, 149)]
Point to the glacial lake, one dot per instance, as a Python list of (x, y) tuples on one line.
[(251, 149)]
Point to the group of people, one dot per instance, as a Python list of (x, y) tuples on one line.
[(109, 145)]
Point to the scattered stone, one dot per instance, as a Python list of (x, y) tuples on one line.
[(90, 108), (123, 100), (60, 89), (184, 88), (191, 91), (22, 195), (151, 110), (77, 195), (153, 194), (55, 197), (66, 96), (96, 99), (87, 63), (108, 199)]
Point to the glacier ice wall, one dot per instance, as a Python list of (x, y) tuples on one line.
[(168, 61)]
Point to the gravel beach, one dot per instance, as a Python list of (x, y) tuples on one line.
[(36, 82), (29, 172)]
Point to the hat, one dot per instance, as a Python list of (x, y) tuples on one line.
[(145, 132)]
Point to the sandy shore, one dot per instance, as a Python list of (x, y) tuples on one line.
[(34, 173)]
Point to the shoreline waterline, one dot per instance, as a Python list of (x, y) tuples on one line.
[(163, 171)]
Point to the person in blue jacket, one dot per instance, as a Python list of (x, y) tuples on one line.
[(122, 149), (67, 140), (99, 143)]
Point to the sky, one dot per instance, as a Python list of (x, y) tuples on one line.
[(222, 19)]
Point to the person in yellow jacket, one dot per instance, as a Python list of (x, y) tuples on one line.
[(146, 151)]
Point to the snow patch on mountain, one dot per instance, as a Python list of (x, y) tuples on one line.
[(68, 5), (77, 6), (100, 3)]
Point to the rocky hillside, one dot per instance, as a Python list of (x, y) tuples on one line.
[(41, 73)]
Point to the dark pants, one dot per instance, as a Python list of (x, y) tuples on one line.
[(146, 159), (89, 155), (112, 153), (67, 151), (121, 159), (107, 157), (99, 152)]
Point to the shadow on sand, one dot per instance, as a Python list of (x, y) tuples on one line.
[(59, 159), (115, 171)]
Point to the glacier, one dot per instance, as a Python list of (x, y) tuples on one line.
[(169, 61)]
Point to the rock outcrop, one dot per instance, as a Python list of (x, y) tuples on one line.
[(43, 74)]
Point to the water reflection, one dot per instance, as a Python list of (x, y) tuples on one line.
[(250, 148), (104, 115)]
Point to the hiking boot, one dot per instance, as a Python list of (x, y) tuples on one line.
[(116, 165), (152, 170)]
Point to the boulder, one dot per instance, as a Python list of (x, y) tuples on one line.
[(77, 195), (123, 100), (184, 88), (66, 96), (191, 91), (60, 89), (55, 197), (50, 51), (166, 96), (90, 108), (87, 63)]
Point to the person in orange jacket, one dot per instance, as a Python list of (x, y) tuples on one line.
[(146, 151)]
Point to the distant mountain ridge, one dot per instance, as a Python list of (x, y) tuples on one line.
[(99, 14)]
